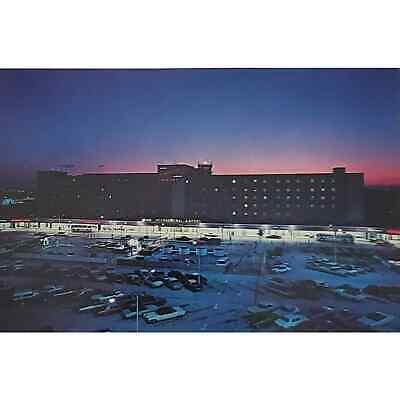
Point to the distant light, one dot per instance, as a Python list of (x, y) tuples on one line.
[(111, 301)]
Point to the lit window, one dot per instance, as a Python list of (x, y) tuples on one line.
[(312, 205), (322, 205), (265, 197), (246, 213), (187, 181), (216, 189), (245, 190), (287, 181), (233, 197), (255, 213), (246, 197), (254, 190), (287, 197), (312, 190), (297, 197), (322, 180), (278, 190), (287, 205), (233, 212), (333, 206), (332, 181), (297, 189), (288, 190), (333, 189), (245, 205), (322, 197), (264, 181), (233, 180), (78, 196), (322, 189), (110, 196), (255, 180)]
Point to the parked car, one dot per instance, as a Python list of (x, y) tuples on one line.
[(163, 314), (130, 312), (173, 283), (290, 320), (273, 237), (153, 282), (375, 319), (280, 269), (25, 295)]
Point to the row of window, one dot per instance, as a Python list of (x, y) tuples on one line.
[(312, 189), (287, 180)]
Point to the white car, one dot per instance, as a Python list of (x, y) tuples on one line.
[(107, 297), (164, 313), (280, 269), (290, 320)]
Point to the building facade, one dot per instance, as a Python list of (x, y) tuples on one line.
[(185, 192)]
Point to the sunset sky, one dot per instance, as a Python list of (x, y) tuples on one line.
[(245, 121)]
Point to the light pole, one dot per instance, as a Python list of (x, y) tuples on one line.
[(137, 314)]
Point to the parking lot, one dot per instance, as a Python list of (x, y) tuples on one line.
[(268, 284)]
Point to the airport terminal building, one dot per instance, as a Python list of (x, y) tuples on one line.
[(184, 192)]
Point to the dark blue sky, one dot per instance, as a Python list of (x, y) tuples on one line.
[(243, 120)]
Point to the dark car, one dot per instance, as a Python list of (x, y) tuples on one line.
[(195, 276), (273, 237), (147, 299), (173, 283), (194, 285), (177, 274)]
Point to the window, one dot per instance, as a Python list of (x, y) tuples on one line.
[(255, 180), (312, 205), (233, 197), (322, 197), (265, 197), (297, 197), (322, 189), (288, 190), (333, 181), (233, 180), (254, 190), (312, 190), (110, 196), (333, 206), (287, 181), (322, 205), (102, 189), (255, 213), (297, 189), (216, 189), (297, 180), (278, 181), (245, 190), (246, 213), (245, 205), (264, 181), (264, 190), (312, 180), (254, 205), (233, 212), (246, 197), (277, 190), (333, 189), (287, 197)]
